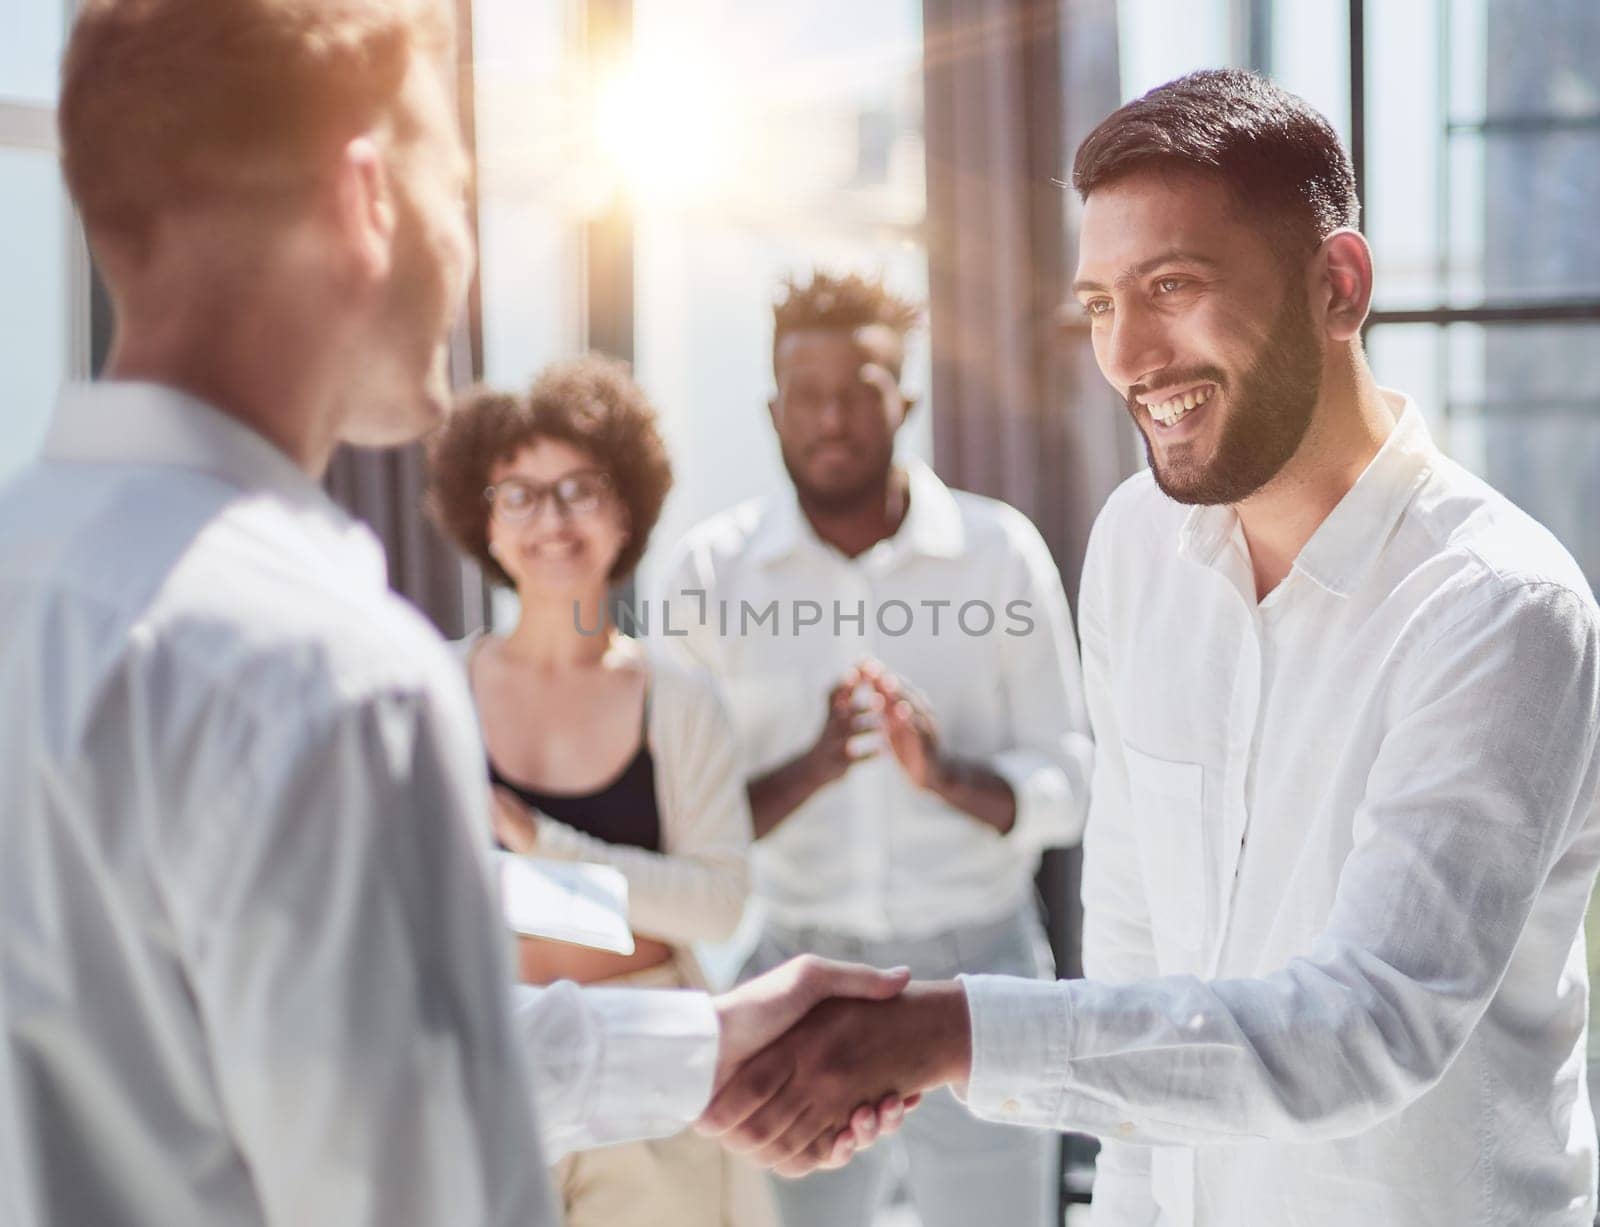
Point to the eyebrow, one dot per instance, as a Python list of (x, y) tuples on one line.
[(1145, 267), (554, 481)]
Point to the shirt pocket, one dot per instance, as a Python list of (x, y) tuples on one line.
[(1168, 819)]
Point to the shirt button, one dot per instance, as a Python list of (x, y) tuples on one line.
[(1126, 1129), (1010, 1107)]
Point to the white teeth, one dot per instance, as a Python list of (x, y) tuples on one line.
[(1168, 412)]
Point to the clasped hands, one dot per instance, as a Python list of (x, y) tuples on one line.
[(819, 1059), (870, 709)]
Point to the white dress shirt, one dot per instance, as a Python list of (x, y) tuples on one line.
[(964, 603), (251, 969), (1336, 868)]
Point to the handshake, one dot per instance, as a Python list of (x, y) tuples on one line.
[(819, 1059)]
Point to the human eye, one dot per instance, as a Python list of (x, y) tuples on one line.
[(803, 394), (514, 495), (581, 491), (1170, 285), (1096, 307)]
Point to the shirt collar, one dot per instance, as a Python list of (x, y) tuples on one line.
[(932, 525), (126, 422), (1351, 538)]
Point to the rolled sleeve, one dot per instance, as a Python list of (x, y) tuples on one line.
[(1049, 762), (1021, 1041), (1044, 797), (616, 1065)]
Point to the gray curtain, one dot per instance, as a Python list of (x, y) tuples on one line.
[(385, 489), (1021, 413)]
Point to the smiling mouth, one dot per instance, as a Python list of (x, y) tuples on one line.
[(1174, 409), (553, 549)]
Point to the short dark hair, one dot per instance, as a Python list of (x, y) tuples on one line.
[(843, 303), (1277, 153), (591, 403)]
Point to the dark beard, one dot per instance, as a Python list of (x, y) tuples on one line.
[(1268, 420), (870, 491)]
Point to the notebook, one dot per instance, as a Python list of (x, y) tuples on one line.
[(565, 901)]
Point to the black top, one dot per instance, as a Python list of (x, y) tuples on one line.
[(621, 812)]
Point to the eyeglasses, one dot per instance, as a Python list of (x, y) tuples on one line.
[(517, 500)]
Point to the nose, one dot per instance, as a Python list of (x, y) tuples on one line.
[(547, 504), (832, 416), (1134, 347)]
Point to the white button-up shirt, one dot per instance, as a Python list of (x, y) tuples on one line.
[(965, 603), (1336, 867), (251, 969)]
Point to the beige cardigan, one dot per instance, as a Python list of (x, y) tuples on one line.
[(695, 888)]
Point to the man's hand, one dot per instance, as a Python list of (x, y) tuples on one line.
[(784, 1105), (844, 740), (848, 736), (755, 1014), (908, 725), (913, 735)]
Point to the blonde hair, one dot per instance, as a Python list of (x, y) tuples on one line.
[(183, 101)]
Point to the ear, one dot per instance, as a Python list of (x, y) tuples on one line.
[(1346, 283), (364, 209), (772, 411)]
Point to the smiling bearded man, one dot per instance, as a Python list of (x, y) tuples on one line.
[(1346, 702)]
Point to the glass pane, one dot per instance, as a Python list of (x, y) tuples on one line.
[(1310, 55), (1158, 40), (529, 260), (1537, 222), (1543, 60), (793, 139), (1402, 209), (33, 300), (1483, 168), (30, 50), (1303, 46), (1515, 404)]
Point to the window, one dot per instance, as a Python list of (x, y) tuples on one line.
[(781, 137), (1481, 171), (43, 295), (649, 172), (530, 206)]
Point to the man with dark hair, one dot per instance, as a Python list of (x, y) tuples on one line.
[(251, 967), (1346, 704), (900, 662)]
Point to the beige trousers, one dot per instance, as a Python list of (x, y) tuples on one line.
[(681, 1181)]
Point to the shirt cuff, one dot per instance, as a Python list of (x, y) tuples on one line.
[(1021, 1041), (658, 1056), (1047, 814)]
